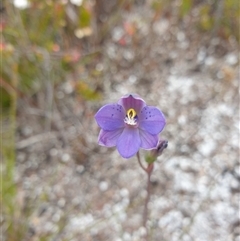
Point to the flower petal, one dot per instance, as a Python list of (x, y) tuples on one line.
[(129, 142), (110, 117), (148, 141), (109, 138), (152, 120), (132, 101)]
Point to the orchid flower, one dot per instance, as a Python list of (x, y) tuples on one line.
[(130, 125)]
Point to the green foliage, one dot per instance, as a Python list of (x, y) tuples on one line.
[(85, 17), (86, 92), (38, 43), (230, 18), (185, 7), (5, 99), (218, 16), (221, 16), (41, 40), (45, 26), (8, 186), (157, 5), (206, 20)]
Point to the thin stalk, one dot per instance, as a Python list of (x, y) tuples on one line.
[(148, 170), (140, 163)]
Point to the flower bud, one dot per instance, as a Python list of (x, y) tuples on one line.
[(154, 153)]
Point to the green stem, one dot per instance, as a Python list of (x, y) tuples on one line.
[(8, 187)]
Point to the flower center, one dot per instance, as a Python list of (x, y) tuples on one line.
[(131, 117)]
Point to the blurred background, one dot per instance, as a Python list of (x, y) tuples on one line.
[(61, 60)]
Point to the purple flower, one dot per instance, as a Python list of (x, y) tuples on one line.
[(130, 125)]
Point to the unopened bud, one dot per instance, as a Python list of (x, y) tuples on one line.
[(152, 156)]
